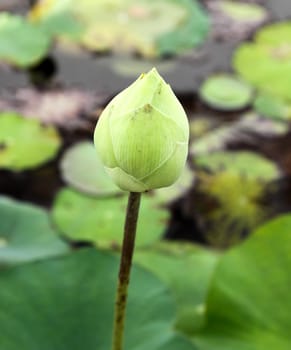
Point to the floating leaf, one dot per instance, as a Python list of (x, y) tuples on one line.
[(68, 303), (62, 24), (26, 233), (151, 28), (249, 300), (247, 164), (25, 143), (21, 43), (266, 62), (272, 107), (82, 169), (100, 220), (190, 33), (187, 269), (225, 92)]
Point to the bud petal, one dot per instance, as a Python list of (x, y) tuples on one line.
[(142, 135)]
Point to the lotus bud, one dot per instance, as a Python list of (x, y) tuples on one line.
[(142, 135)]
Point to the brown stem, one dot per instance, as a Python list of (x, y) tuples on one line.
[(124, 270)]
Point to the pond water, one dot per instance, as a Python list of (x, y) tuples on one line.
[(103, 76)]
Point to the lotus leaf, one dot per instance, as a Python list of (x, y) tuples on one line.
[(21, 43), (249, 300), (226, 92), (100, 220), (26, 233), (187, 269), (82, 169), (151, 28), (266, 63), (67, 303), (25, 143), (272, 107), (247, 164)]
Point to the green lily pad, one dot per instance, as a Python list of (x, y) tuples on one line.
[(152, 28), (265, 63), (188, 34), (225, 92), (82, 169), (25, 143), (68, 303), (21, 43), (187, 270), (178, 189), (100, 220), (249, 302), (247, 164), (272, 107), (26, 233)]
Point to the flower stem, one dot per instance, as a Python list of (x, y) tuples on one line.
[(124, 270)]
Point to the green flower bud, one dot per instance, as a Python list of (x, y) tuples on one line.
[(142, 135)]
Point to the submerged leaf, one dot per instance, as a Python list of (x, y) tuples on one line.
[(233, 192), (236, 206)]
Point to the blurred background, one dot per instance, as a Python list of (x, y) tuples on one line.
[(229, 63)]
